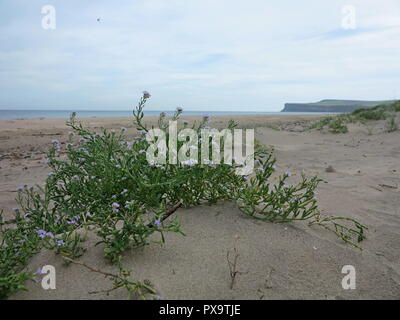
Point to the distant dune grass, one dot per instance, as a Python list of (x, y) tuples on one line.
[(338, 123)]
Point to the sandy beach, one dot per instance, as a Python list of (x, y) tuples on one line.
[(276, 261)]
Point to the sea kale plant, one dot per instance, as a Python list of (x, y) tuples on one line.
[(101, 182)]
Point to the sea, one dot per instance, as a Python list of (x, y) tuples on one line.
[(65, 114)]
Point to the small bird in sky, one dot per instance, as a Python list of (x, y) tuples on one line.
[(98, 19)]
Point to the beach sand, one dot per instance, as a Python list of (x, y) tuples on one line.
[(276, 261)]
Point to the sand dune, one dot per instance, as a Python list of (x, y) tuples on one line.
[(276, 261)]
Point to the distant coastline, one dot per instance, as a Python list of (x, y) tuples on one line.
[(332, 105)]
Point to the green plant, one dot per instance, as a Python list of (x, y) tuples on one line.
[(391, 124), (337, 126), (104, 184), (396, 107), (319, 125)]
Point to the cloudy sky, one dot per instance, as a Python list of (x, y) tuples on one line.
[(199, 54)]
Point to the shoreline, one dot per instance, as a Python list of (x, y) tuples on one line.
[(87, 114), (28, 123)]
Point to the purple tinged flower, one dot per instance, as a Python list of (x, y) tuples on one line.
[(115, 205), (60, 243), (75, 177), (71, 133), (146, 94), (157, 223), (72, 222), (142, 151), (49, 234), (123, 129), (207, 118), (189, 162), (39, 272), (288, 173), (179, 109), (20, 188), (113, 131), (41, 233)]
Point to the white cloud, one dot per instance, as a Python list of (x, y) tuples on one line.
[(199, 54)]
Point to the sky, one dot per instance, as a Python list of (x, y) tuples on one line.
[(209, 55)]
